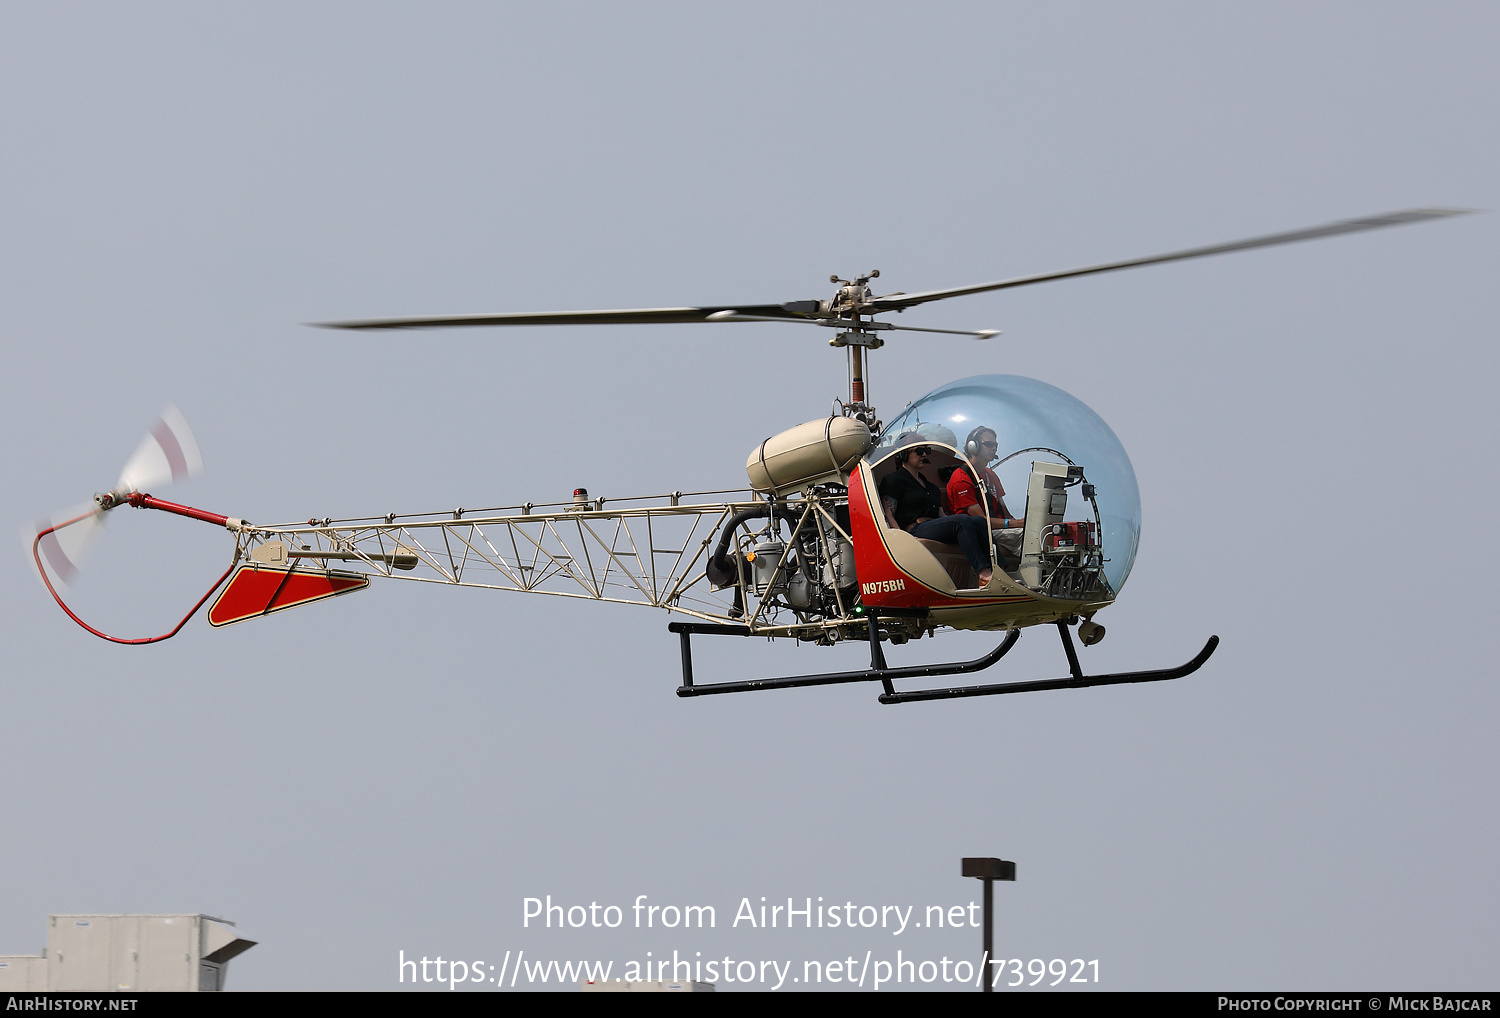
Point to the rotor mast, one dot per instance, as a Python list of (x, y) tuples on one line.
[(858, 335)]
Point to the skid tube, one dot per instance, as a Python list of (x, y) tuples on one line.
[(881, 672)]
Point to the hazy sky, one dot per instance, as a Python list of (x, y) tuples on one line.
[(182, 185)]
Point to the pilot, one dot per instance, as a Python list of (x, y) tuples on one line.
[(914, 504), (973, 489)]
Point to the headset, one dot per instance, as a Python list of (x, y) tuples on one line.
[(972, 447)]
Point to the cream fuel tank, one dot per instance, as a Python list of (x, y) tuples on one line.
[(818, 452)]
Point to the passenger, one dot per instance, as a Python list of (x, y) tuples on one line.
[(914, 504), (965, 488)]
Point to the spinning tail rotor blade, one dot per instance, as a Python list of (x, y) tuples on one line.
[(63, 541), (168, 453), (73, 535)]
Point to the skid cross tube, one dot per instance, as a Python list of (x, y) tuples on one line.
[(1077, 680), (878, 670)]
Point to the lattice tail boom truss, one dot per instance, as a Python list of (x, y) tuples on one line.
[(653, 555)]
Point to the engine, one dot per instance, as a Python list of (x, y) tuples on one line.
[(795, 556)]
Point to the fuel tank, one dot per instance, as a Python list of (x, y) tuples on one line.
[(811, 453)]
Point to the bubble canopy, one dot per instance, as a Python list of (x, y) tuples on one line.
[(1027, 414)]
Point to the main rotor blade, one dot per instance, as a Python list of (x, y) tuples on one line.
[(901, 301), (792, 312), (812, 310)]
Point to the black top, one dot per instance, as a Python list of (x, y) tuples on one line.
[(915, 497)]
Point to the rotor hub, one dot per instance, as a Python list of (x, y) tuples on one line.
[(853, 295)]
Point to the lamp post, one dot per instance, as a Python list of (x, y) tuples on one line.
[(989, 870)]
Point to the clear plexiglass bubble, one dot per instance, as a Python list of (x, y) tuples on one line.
[(1029, 415)]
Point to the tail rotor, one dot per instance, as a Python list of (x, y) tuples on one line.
[(60, 544)]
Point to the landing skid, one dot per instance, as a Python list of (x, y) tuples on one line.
[(880, 672)]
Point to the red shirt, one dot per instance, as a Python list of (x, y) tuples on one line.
[(963, 493)]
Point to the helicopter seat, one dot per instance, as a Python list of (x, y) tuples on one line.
[(953, 562)]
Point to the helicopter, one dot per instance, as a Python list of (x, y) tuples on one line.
[(812, 550)]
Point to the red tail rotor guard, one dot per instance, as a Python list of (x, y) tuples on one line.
[(140, 501)]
